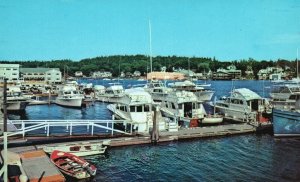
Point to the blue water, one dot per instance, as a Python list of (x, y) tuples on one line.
[(236, 158)]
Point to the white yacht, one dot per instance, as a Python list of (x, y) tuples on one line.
[(136, 106), (112, 94), (244, 105), (203, 93), (283, 96), (157, 90), (69, 96), (184, 108), (16, 102)]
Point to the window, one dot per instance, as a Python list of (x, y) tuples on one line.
[(194, 105), (132, 108), (139, 108), (173, 105), (146, 108)]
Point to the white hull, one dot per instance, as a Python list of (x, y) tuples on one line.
[(78, 149), (212, 120), (16, 105), (72, 102), (205, 95)]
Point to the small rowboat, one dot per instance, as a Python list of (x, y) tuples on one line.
[(212, 119), (73, 166)]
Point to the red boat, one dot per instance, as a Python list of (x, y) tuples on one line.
[(73, 166)]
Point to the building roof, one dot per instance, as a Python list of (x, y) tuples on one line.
[(36, 70), (9, 65)]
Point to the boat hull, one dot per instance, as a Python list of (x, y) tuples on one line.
[(286, 123), (75, 103), (17, 106)]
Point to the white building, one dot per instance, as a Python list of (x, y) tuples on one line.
[(10, 71), (100, 74), (78, 74), (49, 75), (53, 76)]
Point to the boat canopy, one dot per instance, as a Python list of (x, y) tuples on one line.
[(245, 94), (138, 95)]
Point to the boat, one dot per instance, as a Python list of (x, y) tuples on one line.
[(203, 94), (212, 119), (16, 102), (244, 105), (72, 165), (283, 96), (183, 107), (35, 100), (79, 148), (157, 90), (286, 121), (136, 107), (112, 94), (69, 96)]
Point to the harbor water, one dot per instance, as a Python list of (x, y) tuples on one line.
[(248, 157)]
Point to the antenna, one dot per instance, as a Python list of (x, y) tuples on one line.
[(150, 46)]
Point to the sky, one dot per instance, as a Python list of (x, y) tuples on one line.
[(77, 29)]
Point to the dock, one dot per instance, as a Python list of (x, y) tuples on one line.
[(37, 165)]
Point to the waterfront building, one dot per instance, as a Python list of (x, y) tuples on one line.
[(49, 75), (10, 71), (101, 74), (227, 74), (165, 75), (270, 73), (78, 74), (137, 74)]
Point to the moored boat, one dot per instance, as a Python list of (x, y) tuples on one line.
[(286, 123), (79, 148), (69, 96), (72, 165)]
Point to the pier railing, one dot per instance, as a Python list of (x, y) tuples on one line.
[(26, 126)]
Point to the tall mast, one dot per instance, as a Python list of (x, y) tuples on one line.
[(297, 65), (150, 46)]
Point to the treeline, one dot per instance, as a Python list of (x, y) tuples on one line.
[(130, 63)]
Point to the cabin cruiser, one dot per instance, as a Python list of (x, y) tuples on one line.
[(184, 108), (283, 96), (136, 106), (244, 105), (16, 101), (203, 94), (286, 121), (112, 94), (69, 96), (157, 90)]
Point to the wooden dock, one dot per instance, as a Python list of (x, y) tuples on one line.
[(37, 165)]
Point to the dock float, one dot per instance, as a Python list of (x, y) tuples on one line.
[(37, 165)]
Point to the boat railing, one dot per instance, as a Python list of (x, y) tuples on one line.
[(26, 126)]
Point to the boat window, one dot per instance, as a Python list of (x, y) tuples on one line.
[(166, 103), (179, 106), (139, 108), (75, 148), (194, 105), (132, 108), (173, 105), (146, 108), (293, 97)]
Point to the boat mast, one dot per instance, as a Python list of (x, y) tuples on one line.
[(150, 46), (297, 65)]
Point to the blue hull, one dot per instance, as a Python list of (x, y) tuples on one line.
[(286, 123)]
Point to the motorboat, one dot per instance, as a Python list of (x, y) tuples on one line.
[(283, 96), (137, 107), (112, 94), (183, 107), (16, 102), (79, 148), (286, 121), (244, 105), (157, 90), (72, 165), (203, 93), (69, 96)]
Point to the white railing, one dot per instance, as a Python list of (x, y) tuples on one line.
[(25, 126)]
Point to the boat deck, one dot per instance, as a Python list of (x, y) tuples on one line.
[(37, 165)]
